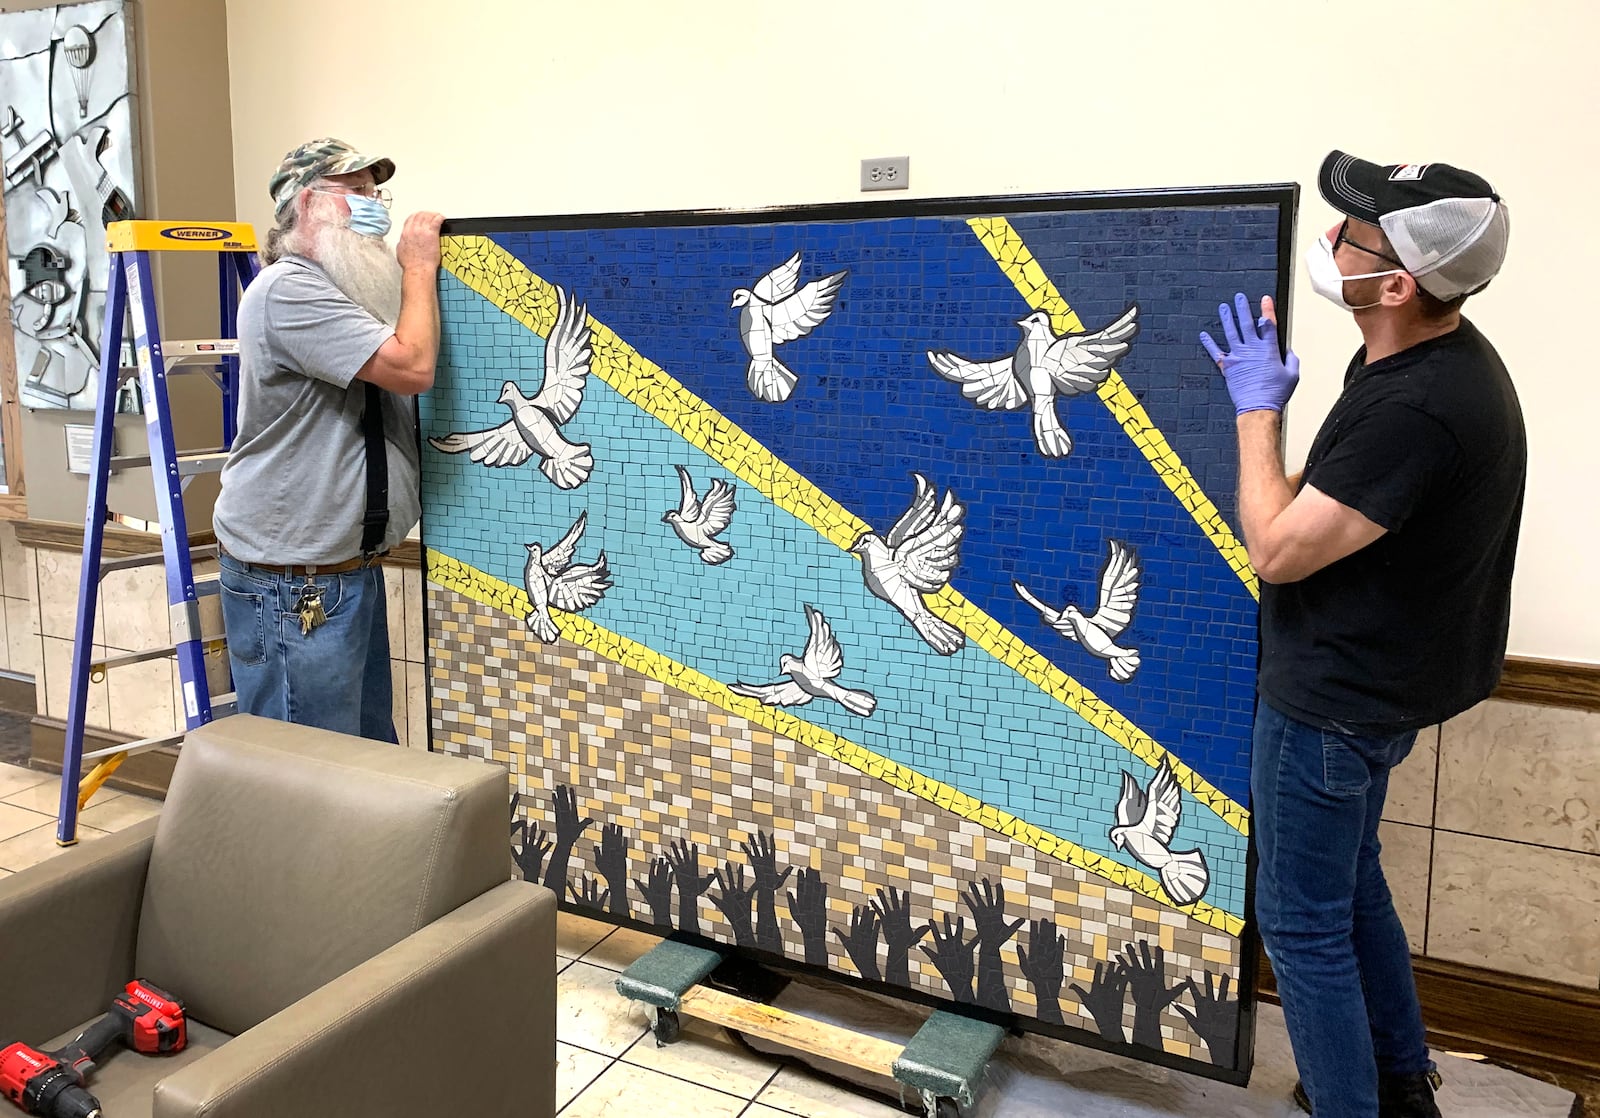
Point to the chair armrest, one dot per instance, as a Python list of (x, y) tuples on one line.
[(68, 927), (458, 1018)]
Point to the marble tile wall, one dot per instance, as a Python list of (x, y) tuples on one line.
[(1491, 841), (146, 700)]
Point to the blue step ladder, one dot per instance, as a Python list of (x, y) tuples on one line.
[(131, 295)]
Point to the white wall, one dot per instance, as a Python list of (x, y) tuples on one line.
[(521, 107)]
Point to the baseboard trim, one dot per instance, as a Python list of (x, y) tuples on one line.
[(1526, 1022), (1552, 683), (18, 695), (148, 773)]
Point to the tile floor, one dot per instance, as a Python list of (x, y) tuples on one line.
[(608, 1065)]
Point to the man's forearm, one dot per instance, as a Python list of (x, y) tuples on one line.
[(418, 328), (1264, 490)]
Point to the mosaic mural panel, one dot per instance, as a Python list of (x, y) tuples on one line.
[(859, 585)]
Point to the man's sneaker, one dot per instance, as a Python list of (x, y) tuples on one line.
[(1408, 1096), (1399, 1096)]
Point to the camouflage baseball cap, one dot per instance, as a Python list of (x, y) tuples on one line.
[(312, 161)]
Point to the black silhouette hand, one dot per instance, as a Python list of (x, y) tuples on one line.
[(657, 891), (591, 895), (685, 858), (734, 901), (764, 863), (1215, 1019), (611, 859), (1104, 998), (988, 908), (862, 942), (1043, 963), (1147, 979), (894, 909), (568, 828), (953, 957), (530, 859), (808, 905)]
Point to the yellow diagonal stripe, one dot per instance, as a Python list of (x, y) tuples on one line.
[(1017, 262), (503, 597), (503, 280)]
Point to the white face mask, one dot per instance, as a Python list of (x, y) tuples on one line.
[(1328, 281)]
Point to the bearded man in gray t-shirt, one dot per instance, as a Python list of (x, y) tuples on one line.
[(338, 327)]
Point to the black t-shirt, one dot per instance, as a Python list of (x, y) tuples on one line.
[(1410, 630)]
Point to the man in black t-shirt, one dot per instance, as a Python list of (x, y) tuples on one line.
[(1386, 571)]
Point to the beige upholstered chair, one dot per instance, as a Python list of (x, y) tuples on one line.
[(338, 916)]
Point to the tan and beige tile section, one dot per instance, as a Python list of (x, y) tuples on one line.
[(669, 766), (28, 800)]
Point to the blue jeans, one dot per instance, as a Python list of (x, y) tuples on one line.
[(335, 677), (1324, 910)]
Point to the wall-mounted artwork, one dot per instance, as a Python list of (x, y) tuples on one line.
[(862, 585), (68, 131)]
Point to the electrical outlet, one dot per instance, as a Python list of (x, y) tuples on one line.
[(889, 173)]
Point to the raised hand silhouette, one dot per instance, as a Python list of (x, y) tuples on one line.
[(808, 905), (988, 907), (1215, 1018), (1043, 963), (1104, 1000), (1147, 979), (568, 828), (862, 942), (953, 957), (591, 894), (611, 859), (657, 891), (734, 902), (893, 907), (685, 858), (764, 864)]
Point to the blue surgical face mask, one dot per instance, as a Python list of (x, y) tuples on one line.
[(367, 217)]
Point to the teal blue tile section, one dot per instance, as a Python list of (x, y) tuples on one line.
[(967, 719)]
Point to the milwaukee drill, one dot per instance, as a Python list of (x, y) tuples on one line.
[(50, 1084)]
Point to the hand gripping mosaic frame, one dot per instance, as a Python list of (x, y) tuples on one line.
[(858, 587)]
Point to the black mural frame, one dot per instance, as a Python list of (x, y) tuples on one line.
[(1286, 198)]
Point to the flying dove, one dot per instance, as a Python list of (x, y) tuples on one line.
[(698, 523), (811, 677), (534, 426), (552, 580), (1145, 822), (1119, 594), (922, 550), (1042, 368), (775, 313)]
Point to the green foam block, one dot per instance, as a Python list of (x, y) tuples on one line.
[(948, 1055), (666, 972)]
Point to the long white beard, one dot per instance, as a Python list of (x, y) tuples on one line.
[(364, 268)]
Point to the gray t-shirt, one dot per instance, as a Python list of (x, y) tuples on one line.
[(294, 488)]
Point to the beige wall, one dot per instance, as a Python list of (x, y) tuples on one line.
[(519, 107)]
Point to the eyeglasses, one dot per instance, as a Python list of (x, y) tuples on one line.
[(1344, 239), (376, 193)]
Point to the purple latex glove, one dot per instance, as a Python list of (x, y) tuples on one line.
[(1258, 379)]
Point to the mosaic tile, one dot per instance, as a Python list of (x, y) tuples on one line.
[(806, 617)]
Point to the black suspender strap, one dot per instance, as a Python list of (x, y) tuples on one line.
[(375, 522)]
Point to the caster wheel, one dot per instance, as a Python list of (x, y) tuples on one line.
[(947, 1108), (667, 1027)]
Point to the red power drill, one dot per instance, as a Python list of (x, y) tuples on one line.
[(50, 1084)]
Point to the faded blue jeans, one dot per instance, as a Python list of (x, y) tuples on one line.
[(335, 677), (1324, 910)]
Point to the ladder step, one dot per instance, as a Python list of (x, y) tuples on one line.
[(191, 462), (132, 747), (224, 705), (155, 558), (208, 351), (99, 667)]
